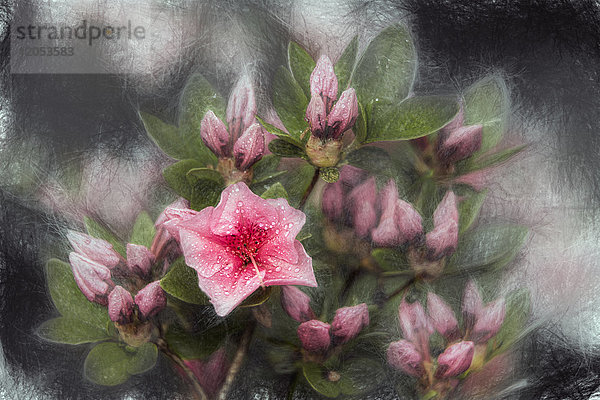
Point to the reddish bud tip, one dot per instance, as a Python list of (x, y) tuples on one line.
[(215, 136), (472, 304), (120, 305), (460, 143), (443, 239), (489, 321), (316, 116), (92, 278), (296, 304), (314, 336), (241, 107), (409, 221), (442, 317), (455, 360), (95, 249), (139, 259), (323, 81), (362, 207), (404, 356), (333, 201), (416, 326), (349, 321), (387, 233), (250, 147), (151, 299), (343, 115)]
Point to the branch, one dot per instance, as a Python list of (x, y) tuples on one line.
[(236, 364)]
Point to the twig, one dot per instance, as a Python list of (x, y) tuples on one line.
[(309, 189), (236, 364), (199, 393)]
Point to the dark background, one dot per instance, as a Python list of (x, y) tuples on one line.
[(548, 50)]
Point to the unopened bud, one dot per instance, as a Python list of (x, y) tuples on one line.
[(296, 304), (387, 233), (472, 304), (442, 317), (349, 321), (409, 221), (316, 116), (120, 306), (174, 217), (351, 175), (151, 299), (363, 211), (404, 356), (343, 115), (489, 321), (250, 147), (416, 326), (333, 200), (241, 107), (215, 136), (455, 360), (92, 278), (443, 239), (314, 336), (139, 259), (95, 249), (460, 143), (323, 81)]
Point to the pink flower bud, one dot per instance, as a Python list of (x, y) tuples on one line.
[(139, 259), (97, 250), (343, 115), (489, 320), (212, 372), (409, 221), (403, 355), (120, 305), (323, 81), (241, 108), (387, 233), (349, 321), (314, 336), (179, 203), (455, 360), (92, 278), (416, 326), (443, 239), (296, 304), (460, 143), (442, 317), (362, 200), (250, 147), (151, 299), (174, 217), (351, 176), (316, 116), (333, 201), (215, 136), (472, 304)]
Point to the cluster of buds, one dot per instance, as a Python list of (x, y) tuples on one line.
[(465, 349), (389, 221), (244, 143), (328, 121), (318, 337), (97, 266), (457, 141)]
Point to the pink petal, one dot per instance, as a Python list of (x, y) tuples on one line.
[(387, 232), (362, 207), (241, 107), (349, 321), (323, 81), (352, 176), (460, 143), (230, 286), (120, 305), (409, 221), (139, 259), (343, 114), (280, 272), (92, 278), (416, 326), (489, 321), (316, 115), (95, 249), (250, 147), (442, 317), (179, 203), (175, 216), (314, 336), (443, 239), (296, 304), (281, 244), (455, 360), (472, 304), (206, 254), (403, 355), (215, 136), (151, 299), (333, 199)]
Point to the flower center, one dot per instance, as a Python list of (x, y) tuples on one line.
[(247, 242)]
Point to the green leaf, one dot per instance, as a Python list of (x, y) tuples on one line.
[(410, 119), (286, 149), (302, 65), (69, 300), (297, 181), (143, 230), (198, 97), (266, 169), (176, 177), (343, 68), (279, 133), (258, 297), (208, 174), (360, 127), (518, 309), (181, 282), (390, 259), (360, 375), (289, 102), (166, 137), (98, 231), (490, 160), (109, 364), (469, 208), (372, 159), (71, 330), (199, 345), (329, 174), (316, 377), (487, 102), (491, 247), (275, 191), (386, 69), (207, 187)]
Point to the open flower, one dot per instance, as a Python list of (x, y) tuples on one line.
[(244, 243)]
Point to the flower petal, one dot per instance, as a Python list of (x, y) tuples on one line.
[(206, 254), (280, 272), (283, 234)]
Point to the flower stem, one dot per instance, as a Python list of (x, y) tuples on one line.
[(309, 189), (199, 393), (238, 359)]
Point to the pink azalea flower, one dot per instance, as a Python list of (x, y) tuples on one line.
[(244, 243)]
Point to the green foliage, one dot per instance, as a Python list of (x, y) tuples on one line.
[(181, 282), (390, 259), (296, 181), (488, 160), (280, 134), (386, 70), (96, 230), (195, 345), (518, 309), (110, 364), (302, 65), (372, 159), (345, 65), (275, 191), (166, 137), (289, 101), (71, 330), (143, 230), (266, 169), (330, 174), (469, 208), (284, 148), (201, 186), (410, 119), (486, 102)]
